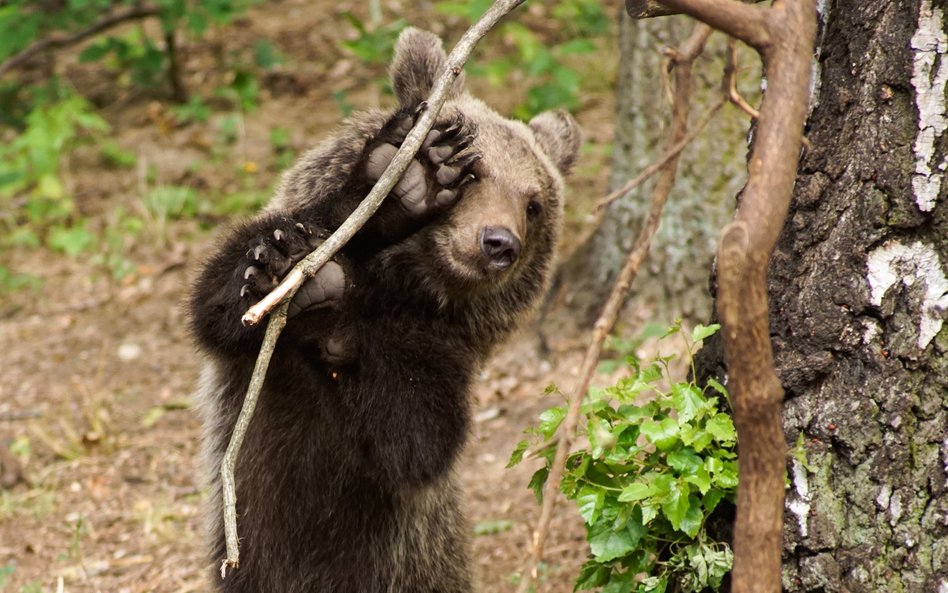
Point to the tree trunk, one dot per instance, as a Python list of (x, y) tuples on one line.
[(711, 171), (858, 299)]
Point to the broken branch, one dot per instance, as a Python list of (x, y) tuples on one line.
[(309, 265)]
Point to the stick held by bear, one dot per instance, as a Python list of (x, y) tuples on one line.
[(345, 480)]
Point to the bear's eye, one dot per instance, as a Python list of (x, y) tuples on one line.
[(533, 209)]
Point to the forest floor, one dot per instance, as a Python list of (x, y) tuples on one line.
[(97, 373)]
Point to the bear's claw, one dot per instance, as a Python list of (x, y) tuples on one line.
[(271, 255)]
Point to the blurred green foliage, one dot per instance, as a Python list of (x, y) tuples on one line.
[(553, 81), (552, 78), (44, 121)]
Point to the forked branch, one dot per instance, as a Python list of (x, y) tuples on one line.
[(783, 35)]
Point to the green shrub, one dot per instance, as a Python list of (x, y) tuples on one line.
[(656, 463)]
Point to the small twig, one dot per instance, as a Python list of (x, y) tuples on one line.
[(65, 41), (729, 83), (229, 462), (657, 165), (309, 265), (682, 61)]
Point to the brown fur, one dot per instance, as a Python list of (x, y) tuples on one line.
[(345, 480)]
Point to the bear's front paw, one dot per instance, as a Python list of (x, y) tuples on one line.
[(443, 166), (270, 257)]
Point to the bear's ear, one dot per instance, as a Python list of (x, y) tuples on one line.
[(418, 61), (559, 136)]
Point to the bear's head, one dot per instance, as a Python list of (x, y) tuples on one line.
[(503, 230)]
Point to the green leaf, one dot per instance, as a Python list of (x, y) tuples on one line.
[(537, 482), (697, 439), (685, 461), (688, 401), (592, 575), (607, 366), (726, 477), (675, 503), (721, 427), (712, 498), (636, 491), (620, 582), (649, 512), (607, 544), (517, 455), (701, 479), (713, 384), (95, 52), (550, 420), (662, 434), (589, 500), (655, 584), (692, 521), (576, 47), (701, 332), (265, 55)]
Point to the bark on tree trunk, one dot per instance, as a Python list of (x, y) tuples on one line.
[(710, 174), (859, 297)]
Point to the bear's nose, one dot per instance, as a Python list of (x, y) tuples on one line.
[(501, 247)]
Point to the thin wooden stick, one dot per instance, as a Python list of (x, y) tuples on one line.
[(309, 265), (682, 61)]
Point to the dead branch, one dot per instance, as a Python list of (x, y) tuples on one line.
[(783, 35), (681, 60), (657, 165), (108, 22), (309, 265)]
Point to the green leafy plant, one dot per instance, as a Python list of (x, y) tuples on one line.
[(31, 187), (659, 459)]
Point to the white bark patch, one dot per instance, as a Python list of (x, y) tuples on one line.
[(895, 509), (911, 264), (800, 505), (929, 77)]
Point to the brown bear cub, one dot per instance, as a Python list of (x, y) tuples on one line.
[(345, 481)]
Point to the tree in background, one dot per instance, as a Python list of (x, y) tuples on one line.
[(711, 173)]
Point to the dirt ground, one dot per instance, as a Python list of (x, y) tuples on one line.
[(97, 374)]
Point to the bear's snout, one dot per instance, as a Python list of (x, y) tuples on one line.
[(500, 246)]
